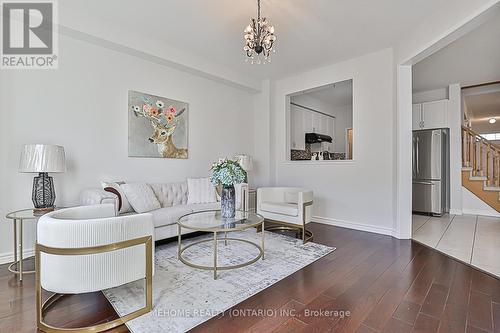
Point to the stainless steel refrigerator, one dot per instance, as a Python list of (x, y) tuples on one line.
[(431, 171)]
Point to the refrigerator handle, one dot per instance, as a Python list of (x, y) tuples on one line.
[(418, 169), (414, 160), (423, 182)]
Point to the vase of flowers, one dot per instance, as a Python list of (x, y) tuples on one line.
[(226, 173)]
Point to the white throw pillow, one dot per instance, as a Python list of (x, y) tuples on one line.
[(200, 190), (114, 187), (141, 197)]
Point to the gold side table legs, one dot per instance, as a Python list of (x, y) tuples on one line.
[(262, 240), (215, 254), (14, 223), (16, 267)]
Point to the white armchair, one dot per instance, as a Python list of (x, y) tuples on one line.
[(87, 249), (291, 207)]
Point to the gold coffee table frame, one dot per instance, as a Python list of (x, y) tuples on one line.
[(217, 230)]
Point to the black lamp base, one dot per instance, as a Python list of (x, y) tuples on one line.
[(44, 195)]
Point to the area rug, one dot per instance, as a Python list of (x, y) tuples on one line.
[(184, 297)]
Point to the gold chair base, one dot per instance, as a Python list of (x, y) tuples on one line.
[(54, 298), (308, 233)]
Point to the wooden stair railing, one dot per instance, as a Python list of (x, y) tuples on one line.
[(481, 156), (481, 168)]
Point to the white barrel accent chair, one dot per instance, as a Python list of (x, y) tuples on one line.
[(289, 207), (87, 249)]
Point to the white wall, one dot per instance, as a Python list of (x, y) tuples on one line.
[(83, 106), (455, 121), (261, 173), (342, 114), (474, 205), (359, 193)]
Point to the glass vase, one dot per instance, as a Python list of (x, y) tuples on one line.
[(228, 202)]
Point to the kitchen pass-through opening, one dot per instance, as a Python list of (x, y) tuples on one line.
[(320, 123)]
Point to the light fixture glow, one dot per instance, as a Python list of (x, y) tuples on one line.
[(259, 39), (492, 120)]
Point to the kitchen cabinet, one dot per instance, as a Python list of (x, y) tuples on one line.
[(308, 121), (317, 120), (297, 128), (416, 118), (430, 115), (303, 121)]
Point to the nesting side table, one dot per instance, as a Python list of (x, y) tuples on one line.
[(18, 218)]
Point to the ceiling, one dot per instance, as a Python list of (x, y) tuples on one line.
[(310, 33), (472, 59), (481, 108)]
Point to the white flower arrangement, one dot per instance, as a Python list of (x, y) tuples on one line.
[(227, 172)]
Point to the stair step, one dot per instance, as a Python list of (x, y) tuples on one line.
[(466, 169), (489, 194), (483, 178), (491, 188)]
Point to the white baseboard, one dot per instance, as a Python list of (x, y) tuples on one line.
[(355, 226), (480, 212), (456, 212), (8, 257)]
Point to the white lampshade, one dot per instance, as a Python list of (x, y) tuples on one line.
[(42, 158), (246, 162)]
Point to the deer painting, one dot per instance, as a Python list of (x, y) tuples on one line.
[(164, 121)]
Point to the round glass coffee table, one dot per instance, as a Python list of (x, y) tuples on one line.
[(212, 221)]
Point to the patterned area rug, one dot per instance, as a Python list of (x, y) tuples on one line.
[(184, 297)]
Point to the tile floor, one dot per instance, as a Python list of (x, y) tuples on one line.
[(470, 238)]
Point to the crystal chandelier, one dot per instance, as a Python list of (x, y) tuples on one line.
[(259, 39)]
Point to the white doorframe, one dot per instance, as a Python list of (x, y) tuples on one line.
[(404, 137), (403, 220)]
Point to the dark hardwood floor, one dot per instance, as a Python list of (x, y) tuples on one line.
[(371, 283)]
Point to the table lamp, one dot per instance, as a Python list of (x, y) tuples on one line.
[(42, 159), (246, 163)]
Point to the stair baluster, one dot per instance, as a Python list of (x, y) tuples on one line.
[(488, 156), (497, 169)]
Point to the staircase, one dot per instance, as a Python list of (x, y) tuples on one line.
[(481, 167)]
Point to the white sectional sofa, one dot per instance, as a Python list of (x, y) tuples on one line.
[(173, 200)]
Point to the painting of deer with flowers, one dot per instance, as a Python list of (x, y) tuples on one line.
[(158, 126)]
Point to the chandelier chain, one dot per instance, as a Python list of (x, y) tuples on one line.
[(258, 10)]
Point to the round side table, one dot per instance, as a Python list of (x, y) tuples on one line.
[(18, 217)]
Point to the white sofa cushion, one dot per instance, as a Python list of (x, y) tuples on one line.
[(204, 206), (200, 190), (280, 208), (169, 215), (114, 187), (141, 197)]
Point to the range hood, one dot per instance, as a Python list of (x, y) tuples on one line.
[(315, 138)]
